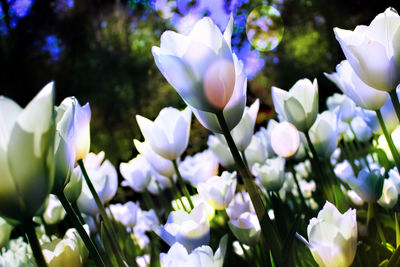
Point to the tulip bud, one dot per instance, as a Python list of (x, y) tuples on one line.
[(271, 174), (285, 139)]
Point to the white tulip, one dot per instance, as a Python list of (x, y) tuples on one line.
[(389, 194), (285, 139), (218, 191), (126, 213), (299, 105), (350, 84), (137, 173), (271, 173), (221, 151), (332, 237), (168, 135)]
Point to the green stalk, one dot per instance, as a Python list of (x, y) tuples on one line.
[(182, 184), (244, 158), (34, 243), (93, 250), (303, 201), (395, 102), (74, 206), (396, 221), (176, 193), (267, 227), (389, 140), (107, 222)]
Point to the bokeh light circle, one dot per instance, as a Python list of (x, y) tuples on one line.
[(264, 28)]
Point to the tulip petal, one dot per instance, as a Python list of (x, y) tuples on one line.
[(206, 32), (173, 43), (9, 111), (295, 114)]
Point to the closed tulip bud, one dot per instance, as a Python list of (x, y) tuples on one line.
[(352, 86), (389, 194), (373, 51), (26, 154), (74, 186), (168, 135), (271, 173), (257, 151), (192, 229), (332, 237), (285, 139), (299, 105), (324, 134), (81, 125), (204, 72), (218, 191), (361, 129)]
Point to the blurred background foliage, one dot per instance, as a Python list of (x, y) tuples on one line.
[(100, 52)]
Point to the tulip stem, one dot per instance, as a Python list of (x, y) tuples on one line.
[(93, 250), (107, 223), (74, 206), (395, 102), (303, 201), (34, 243), (389, 140), (244, 158), (266, 224), (182, 184)]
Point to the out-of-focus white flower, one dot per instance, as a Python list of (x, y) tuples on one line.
[(81, 125), (332, 237), (73, 188), (257, 151), (303, 168), (373, 51), (243, 219), (344, 171), (199, 168), (18, 254), (299, 105), (104, 178), (69, 251), (197, 200), (160, 164), (143, 261), (389, 195), (218, 191), (351, 85), (285, 139), (221, 150), (126, 213), (361, 129), (368, 184), (324, 134), (168, 135), (345, 106), (271, 173), (5, 231), (204, 72), (137, 173), (202, 256), (54, 211), (192, 229), (26, 154), (355, 198), (237, 248), (145, 220)]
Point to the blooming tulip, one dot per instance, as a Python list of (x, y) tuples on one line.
[(285, 139), (203, 256), (299, 105), (199, 168), (137, 173), (74, 186), (389, 194), (368, 184), (218, 191), (126, 213), (205, 73), (168, 135), (26, 154), (350, 84), (373, 51), (192, 229), (332, 236), (18, 254)]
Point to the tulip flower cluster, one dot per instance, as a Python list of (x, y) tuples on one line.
[(310, 188)]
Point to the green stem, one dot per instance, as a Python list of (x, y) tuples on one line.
[(74, 206), (389, 140), (395, 102), (182, 184), (34, 243), (303, 201), (244, 158), (267, 227), (107, 222), (396, 221), (82, 232), (177, 194)]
